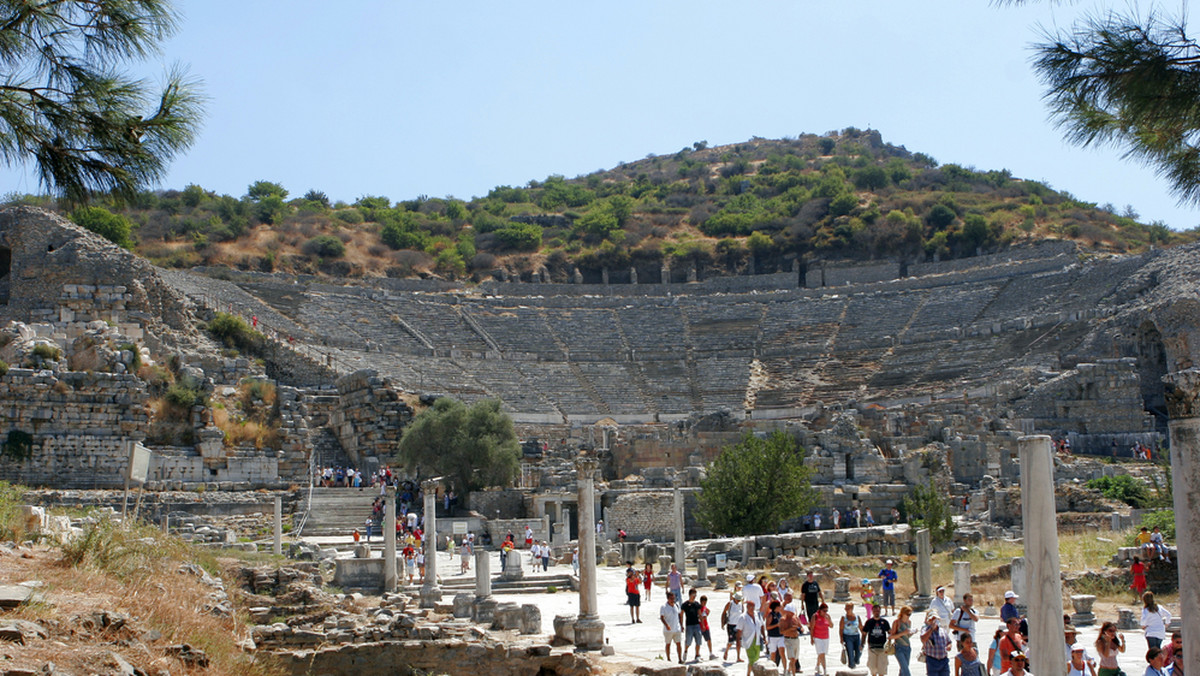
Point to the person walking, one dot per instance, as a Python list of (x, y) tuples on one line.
[(901, 632), (876, 631), (935, 643), (942, 605), (672, 621), (691, 623), (675, 582), (821, 624), (730, 617), (966, 662), (888, 588), (633, 596), (1109, 644), (750, 631), (1156, 661), (705, 631), (1138, 570), (772, 622), (964, 620), (1155, 619), (648, 580), (811, 594), (850, 630)]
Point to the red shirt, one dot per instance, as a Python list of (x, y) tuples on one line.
[(631, 585), (820, 626)]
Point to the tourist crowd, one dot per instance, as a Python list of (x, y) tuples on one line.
[(762, 617)]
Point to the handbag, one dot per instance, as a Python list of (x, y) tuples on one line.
[(844, 661), (921, 657), (889, 648)]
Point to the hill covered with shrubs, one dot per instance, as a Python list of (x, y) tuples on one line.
[(763, 203)]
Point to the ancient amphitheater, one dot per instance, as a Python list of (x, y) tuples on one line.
[(1041, 337)]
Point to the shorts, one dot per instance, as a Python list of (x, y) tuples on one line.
[(752, 652), (692, 633), (731, 631), (877, 661), (672, 636), (774, 643), (706, 634), (791, 647), (889, 598), (633, 600), (822, 645)]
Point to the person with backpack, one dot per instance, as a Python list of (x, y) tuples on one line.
[(964, 619)]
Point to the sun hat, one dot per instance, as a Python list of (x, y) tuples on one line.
[(1010, 594)]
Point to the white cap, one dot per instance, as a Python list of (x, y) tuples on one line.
[(889, 562), (749, 577), (1009, 594)]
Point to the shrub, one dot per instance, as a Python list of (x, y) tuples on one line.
[(325, 246), (182, 396), (136, 364), (3, 367), (925, 507), (349, 216), (520, 236), (113, 227), (1123, 488), (233, 331), (46, 352)]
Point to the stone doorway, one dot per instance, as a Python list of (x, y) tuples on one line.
[(1152, 366), (5, 274)]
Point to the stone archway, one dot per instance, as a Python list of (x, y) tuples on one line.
[(607, 428)]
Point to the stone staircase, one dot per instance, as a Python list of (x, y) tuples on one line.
[(338, 511), (328, 449)]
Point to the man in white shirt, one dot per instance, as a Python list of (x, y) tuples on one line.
[(942, 605), (672, 619), (753, 593), (750, 632), (963, 620)]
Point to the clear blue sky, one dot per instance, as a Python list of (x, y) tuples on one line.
[(452, 98)]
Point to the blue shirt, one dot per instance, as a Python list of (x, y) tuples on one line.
[(1009, 611), (889, 578)]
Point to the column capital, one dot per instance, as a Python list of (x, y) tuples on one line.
[(430, 484), (1183, 393), (586, 466)]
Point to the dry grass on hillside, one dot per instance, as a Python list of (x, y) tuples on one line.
[(137, 577)]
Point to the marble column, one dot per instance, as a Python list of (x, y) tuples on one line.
[(483, 573), (1183, 407), (1017, 578), (431, 593), (921, 599), (277, 543), (1044, 579), (680, 544), (389, 540), (962, 580), (589, 630)]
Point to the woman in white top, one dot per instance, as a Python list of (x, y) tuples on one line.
[(1155, 619)]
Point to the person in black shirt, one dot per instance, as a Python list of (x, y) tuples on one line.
[(691, 623), (810, 591), (876, 631)]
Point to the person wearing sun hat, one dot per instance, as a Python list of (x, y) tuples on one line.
[(753, 592), (942, 605), (1009, 609)]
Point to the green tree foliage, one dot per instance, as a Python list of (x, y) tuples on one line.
[(325, 246), (1119, 79), (926, 507), (260, 190), (1123, 488), (65, 105), (113, 227), (233, 331), (940, 217), (871, 178), (473, 447), (755, 485), (520, 236), (317, 196)]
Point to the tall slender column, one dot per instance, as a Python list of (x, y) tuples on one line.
[(277, 541), (589, 630), (431, 593), (1183, 406), (680, 545), (389, 539), (1043, 581)]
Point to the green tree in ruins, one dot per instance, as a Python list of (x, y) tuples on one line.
[(755, 485), (473, 447)]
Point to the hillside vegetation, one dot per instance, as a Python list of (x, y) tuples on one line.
[(764, 202)]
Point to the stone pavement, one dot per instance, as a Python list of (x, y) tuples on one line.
[(645, 640)]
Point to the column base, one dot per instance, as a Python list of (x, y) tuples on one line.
[(484, 611), (919, 602), (589, 633), (430, 596)]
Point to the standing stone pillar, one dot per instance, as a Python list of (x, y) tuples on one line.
[(962, 580), (589, 630), (1041, 554), (924, 595), (483, 573), (841, 589), (431, 593), (1017, 579), (680, 544), (1183, 407), (389, 539), (277, 543)]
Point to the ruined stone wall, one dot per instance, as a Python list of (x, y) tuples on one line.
[(1104, 397), (79, 422), (640, 453), (651, 514), (507, 503), (369, 417), (239, 469)]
